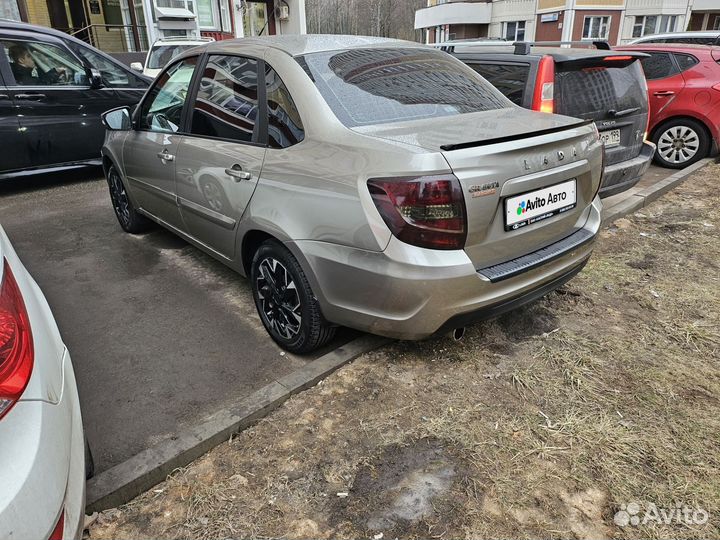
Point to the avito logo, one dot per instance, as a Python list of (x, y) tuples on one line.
[(539, 202)]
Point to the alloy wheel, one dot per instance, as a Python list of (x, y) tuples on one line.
[(678, 144), (119, 197), (279, 299)]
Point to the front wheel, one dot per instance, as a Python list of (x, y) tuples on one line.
[(127, 215), (680, 143), (285, 302)]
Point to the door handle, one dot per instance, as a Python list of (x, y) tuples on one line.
[(30, 97), (664, 93), (237, 173), (165, 156)]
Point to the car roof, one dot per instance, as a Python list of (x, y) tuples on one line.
[(27, 27), (691, 48), (297, 45)]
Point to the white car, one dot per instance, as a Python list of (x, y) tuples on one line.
[(164, 50), (42, 446), (705, 37)]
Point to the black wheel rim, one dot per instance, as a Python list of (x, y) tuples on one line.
[(119, 198), (278, 297)]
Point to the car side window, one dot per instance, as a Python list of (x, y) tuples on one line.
[(113, 75), (226, 105), (36, 63), (685, 61), (285, 127), (658, 65), (162, 108), (510, 79)]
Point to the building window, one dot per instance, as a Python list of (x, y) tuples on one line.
[(213, 15), (514, 30), (653, 24), (596, 28), (716, 24), (10, 10)]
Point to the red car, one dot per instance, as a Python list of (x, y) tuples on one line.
[(684, 94)]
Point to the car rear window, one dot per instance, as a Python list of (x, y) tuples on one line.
[(161, 55), (592, 92), (510, 79), (381, 86)]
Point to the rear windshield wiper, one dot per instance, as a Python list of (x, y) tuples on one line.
[(624, 112)]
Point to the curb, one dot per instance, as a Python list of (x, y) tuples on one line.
[(138, 474), (645, 196)]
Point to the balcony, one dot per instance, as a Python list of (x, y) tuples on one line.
[(698, 5), (453, 13)]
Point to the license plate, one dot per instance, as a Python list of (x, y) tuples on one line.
[(610, 138), (533, 206)]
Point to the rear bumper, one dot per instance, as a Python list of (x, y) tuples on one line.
[(411, 293), (619, 177)]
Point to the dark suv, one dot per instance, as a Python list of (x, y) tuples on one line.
[(594, 84), (53, 89)]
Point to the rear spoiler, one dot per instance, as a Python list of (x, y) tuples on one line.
[(508, 138), (519, 47)]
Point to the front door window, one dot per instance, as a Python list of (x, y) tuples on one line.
[(162, 110)]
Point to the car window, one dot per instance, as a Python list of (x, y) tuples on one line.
[(114, 75), (285, 127), (658, 65), (227, 100), (160, 55), (685, 61), (510, 79), (162, 108), (381, 86), (35, 63)]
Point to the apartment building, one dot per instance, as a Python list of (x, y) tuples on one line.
[(618, 21)]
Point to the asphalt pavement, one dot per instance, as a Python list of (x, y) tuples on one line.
[(161, 335)]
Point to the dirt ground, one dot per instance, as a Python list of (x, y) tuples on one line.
[(577, 416)]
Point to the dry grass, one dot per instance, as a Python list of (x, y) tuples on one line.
[(547, 420)]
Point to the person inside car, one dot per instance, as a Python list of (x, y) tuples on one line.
[(27, 72)]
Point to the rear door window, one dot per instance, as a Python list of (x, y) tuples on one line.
[(685, 61), (386, 85), (511, 79), (658, 65)]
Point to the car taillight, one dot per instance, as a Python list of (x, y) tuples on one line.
[(544, 95), (57, 533), (427, 211), (716, 87), (16, 343)]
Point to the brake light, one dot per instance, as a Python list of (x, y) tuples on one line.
[(544, 95), (16, 343), (57, 533), (428, 211), (617, 58)]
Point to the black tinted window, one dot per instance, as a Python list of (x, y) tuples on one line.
[(285, 127), (113, 74), (658, 66), (591, 92), (685, 61), (162, 108), (510, 79), (227, 102), (380, 86)]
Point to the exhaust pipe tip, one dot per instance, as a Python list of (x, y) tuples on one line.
[(458, 333)]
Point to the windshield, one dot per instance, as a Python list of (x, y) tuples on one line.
[(380, 86), (162, 54)]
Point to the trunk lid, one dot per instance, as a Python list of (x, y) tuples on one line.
[(500, 154), (611, 91)]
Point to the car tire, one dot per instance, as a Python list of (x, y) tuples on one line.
[(127, 215), (680, 142), (285, 302)]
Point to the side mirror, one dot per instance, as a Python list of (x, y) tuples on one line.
[(94, 78), (117, 119), (137, 66)]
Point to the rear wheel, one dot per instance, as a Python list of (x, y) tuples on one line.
[(128, 217), (680, 143), (285, 302)]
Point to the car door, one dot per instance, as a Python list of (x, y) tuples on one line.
[(14, 150), (58, 111), (150, 150), (665, 82), (220, 160)]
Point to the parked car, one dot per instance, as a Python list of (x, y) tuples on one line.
[(164, 50), (42, 493), (365, 182), (709, 37), (684, 89), (597, 85), (53, 89)]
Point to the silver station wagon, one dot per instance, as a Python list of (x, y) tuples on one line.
[(362, 182)]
